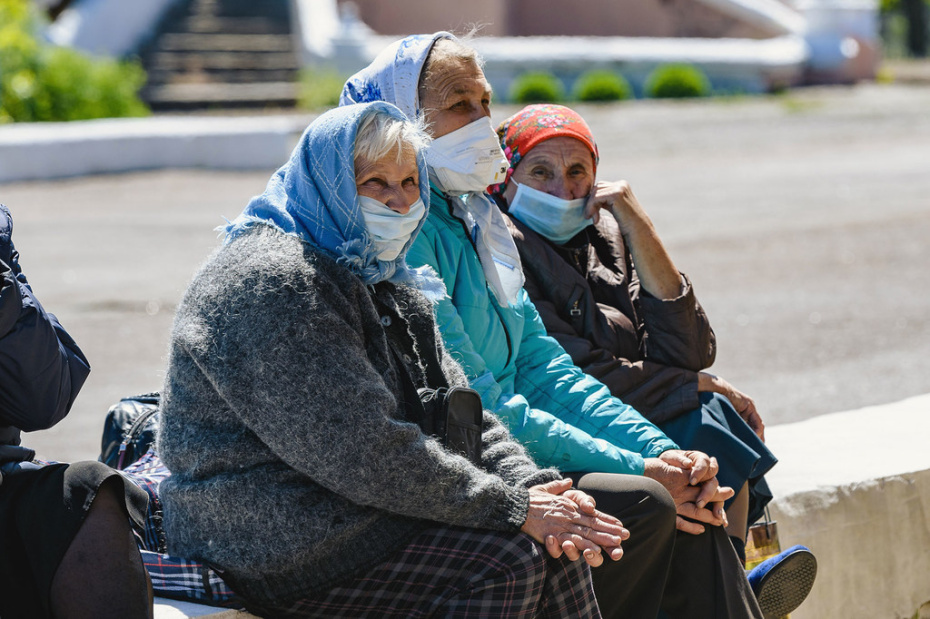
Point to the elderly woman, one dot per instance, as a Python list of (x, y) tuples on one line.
[(608, 292), (297, 471), (564, 417)]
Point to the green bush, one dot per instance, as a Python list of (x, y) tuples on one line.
[(602, 85), (677, 81), (536, 87), (40, 82), (319, 88)]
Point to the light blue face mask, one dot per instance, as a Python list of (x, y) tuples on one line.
[(556, 219)]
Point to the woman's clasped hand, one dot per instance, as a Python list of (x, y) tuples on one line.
[(567, 520)]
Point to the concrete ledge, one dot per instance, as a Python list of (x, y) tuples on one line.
[(855, 488), (39, 151)]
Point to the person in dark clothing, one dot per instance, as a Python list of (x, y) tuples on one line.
[(66, 547), (608, 292)]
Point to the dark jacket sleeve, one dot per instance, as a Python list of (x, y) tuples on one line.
[(659, 392), (676, 331), (41, 368)]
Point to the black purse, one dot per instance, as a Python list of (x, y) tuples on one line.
[(452, 414), (455, 415), (129, 430)]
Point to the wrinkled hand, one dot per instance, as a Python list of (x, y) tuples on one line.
[(617, 198), (740, 401), (691, 479), (567, 521)]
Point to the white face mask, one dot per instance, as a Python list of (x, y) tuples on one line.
[(389, 229), (468, 159), (556, 219)]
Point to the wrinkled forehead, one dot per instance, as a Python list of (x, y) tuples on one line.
[(453, 77), (560, 151)]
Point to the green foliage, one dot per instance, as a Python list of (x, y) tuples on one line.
[(537, 87), (319, 88), (677, 81), (40, 82), (602, 85)]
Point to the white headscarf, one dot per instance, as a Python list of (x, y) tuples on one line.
[(394, 76)]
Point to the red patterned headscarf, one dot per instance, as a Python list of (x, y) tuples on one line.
[(538, 123)]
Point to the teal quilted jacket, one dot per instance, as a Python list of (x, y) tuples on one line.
[(565, 418)]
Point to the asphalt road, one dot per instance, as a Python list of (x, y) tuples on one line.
[(803, 221)]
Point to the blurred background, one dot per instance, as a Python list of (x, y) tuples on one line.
[(222, 54)]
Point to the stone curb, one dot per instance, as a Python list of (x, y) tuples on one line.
[(855, 488), (44, 151)]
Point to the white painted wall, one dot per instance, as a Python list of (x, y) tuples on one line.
[(108, 27)]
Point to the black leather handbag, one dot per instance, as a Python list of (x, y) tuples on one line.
[(129, 430)]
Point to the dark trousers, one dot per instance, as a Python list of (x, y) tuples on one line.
[(683, 576)]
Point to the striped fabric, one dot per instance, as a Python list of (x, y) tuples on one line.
[(180, 579), (172, 577)]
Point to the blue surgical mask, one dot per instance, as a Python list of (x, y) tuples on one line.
[(554, 218), (390, 230)]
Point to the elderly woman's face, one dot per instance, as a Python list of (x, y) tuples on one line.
[(395, 184), (562, 167), (454, 95)]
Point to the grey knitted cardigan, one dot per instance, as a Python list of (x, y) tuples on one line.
[(292, 466)]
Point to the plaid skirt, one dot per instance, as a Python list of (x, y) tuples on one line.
[(445, 571), (458, 572)]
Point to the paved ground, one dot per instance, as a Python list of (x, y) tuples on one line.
[(803, 221)]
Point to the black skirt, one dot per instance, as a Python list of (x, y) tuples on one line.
[(40, 513)]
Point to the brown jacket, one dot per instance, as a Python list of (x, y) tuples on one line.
[(646, 350)]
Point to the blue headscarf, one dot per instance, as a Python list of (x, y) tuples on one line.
[(394, 74), (313, 197)]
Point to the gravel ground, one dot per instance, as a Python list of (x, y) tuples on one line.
[(803, 221)]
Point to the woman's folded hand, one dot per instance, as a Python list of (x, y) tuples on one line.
[(567, 521)]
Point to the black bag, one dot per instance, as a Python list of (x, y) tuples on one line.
[(451, 414), (129, 430), (454, 415)]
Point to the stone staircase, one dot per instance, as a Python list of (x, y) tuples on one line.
[(218, 54)]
